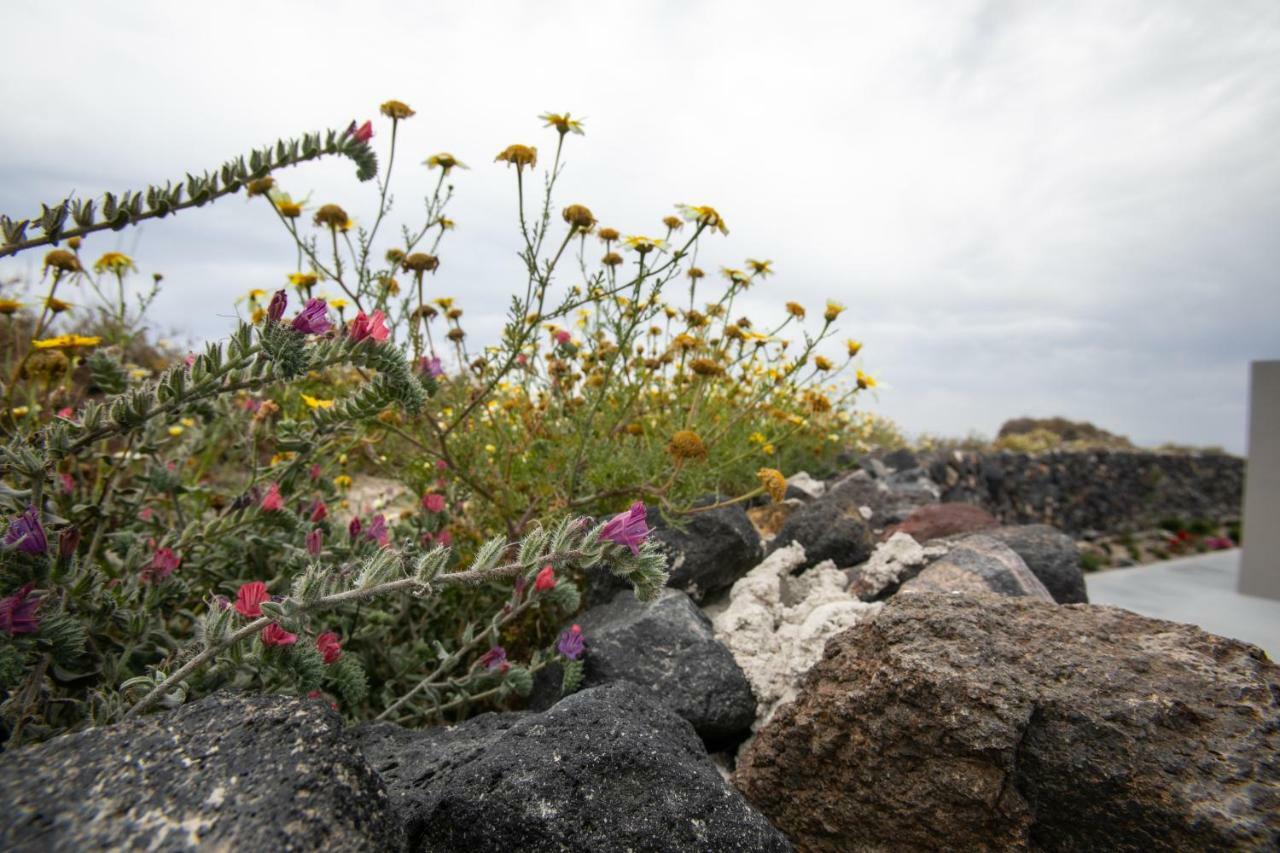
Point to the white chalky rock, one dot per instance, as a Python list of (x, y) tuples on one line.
[(777, 625), (811, 487), (890, 561)]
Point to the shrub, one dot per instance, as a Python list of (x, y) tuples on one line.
[(177, 525)]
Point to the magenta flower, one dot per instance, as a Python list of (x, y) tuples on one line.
[(318, 511), (315, 542), (562, 336), (571, 644), (18, 613), (312, 319), (26, 533), (431, 366), (314, 472), (364, 132), (433, 502), (368, 327), (378, 530), (627, 528), (495, 658), (276, 309), (330, 646), (274, 635), (249, 599), (546, 579), (354, 528), (444, 538), (164, 562), (272, 501), (68, 483)]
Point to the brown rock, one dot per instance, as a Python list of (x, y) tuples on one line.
[(933, 521), (988, 724), (769, 518)]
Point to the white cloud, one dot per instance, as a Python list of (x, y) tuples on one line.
[(1029, 208)]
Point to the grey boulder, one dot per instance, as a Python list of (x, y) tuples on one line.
[(709, 550), (978, 565), (1051, 555)]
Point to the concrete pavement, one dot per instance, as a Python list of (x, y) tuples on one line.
[(1200, 590)]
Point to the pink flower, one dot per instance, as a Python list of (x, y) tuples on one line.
[(368, 327), (444, 538), (278, 303), (562, 336), (272, 501), (441, 465), (364, 132), (315, 542), (67, 413), (495, 658), (249, 599), (427, 539), (68, 483), (274, 635), (433, 502), (145, 513), (546, 579), (378, 530), (627, 528), (354, 527), (330, 646), (314, 472), (522, 359), (190, 359), (312, 319), (18, 613), (163, 563), (318, 511)]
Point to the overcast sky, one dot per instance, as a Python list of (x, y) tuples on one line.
[(1029, 208)]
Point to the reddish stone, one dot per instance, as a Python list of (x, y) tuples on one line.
[(933, 521)]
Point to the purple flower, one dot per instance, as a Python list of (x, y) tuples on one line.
[(18, 613), (311, 320), (495, 658), (378, 530), (431, 366), (571, 644), (315, 542), (354, 528), (276, 309), (26, 533), (627, 528)]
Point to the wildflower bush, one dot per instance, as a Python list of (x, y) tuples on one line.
[(177, 525)]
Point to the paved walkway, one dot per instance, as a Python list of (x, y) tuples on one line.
[(1200, 590)]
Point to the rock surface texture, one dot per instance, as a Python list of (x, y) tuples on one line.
[(935, 521), (1052, 557), (895, 561), (608, 768), (667, 647), (835, 526), (978, 565), (954, 723), (776, 623), (712, 551), (230, 772)]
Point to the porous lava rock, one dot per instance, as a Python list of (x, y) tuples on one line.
[(608, 768), (667, 646), (709, 550), (229, 772), (951, 722), (833, 527)]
